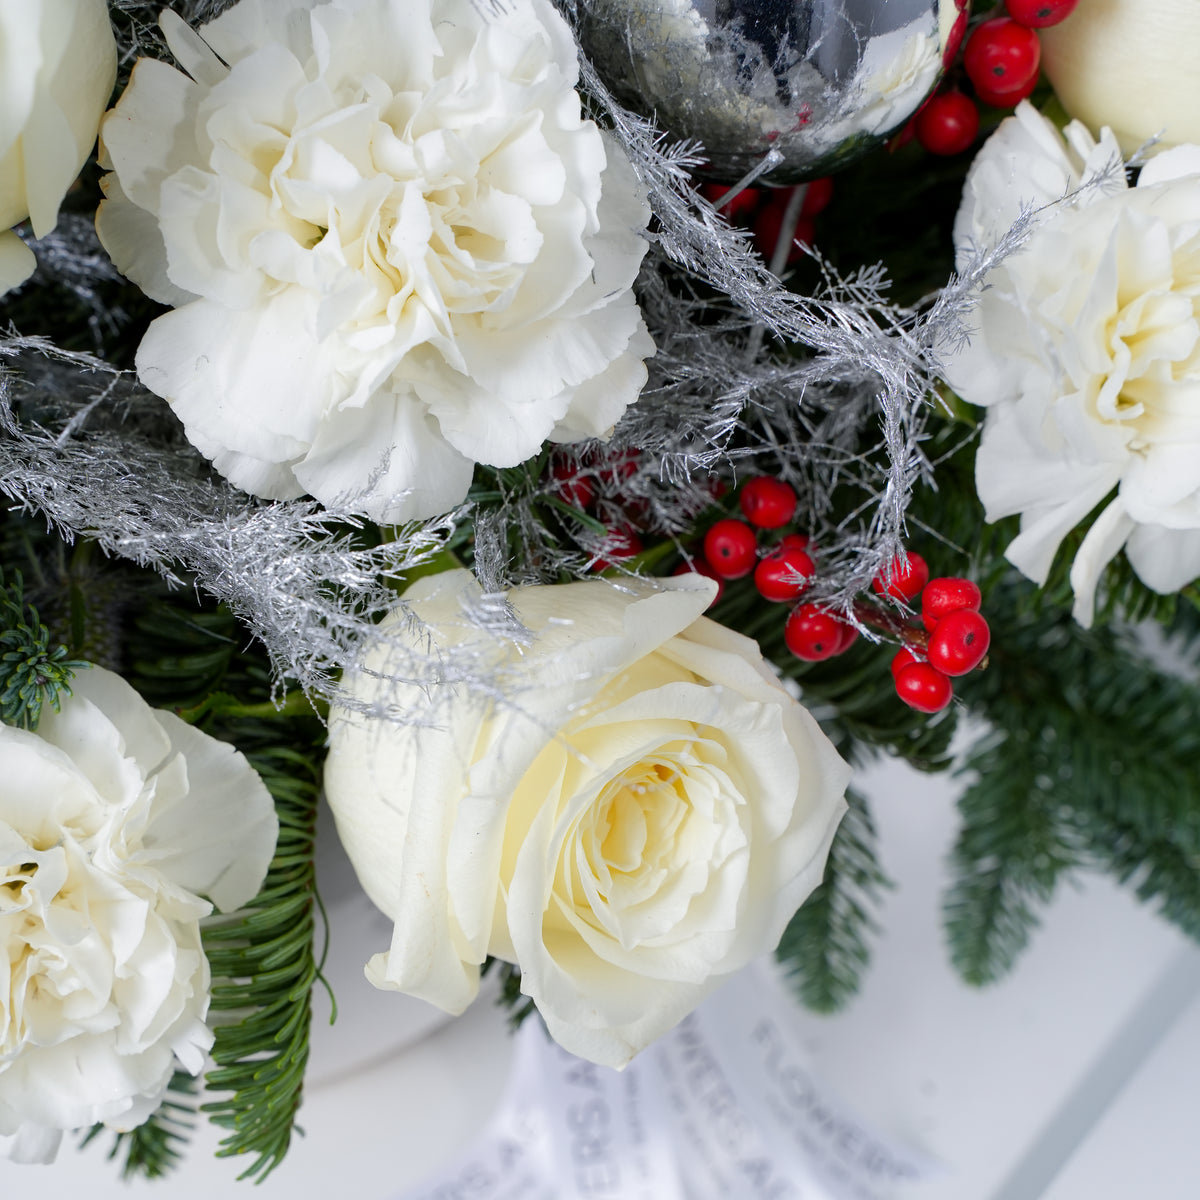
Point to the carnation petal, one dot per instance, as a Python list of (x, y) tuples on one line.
[(190, 50), (219, 837), (1176, 162), (598, 404), (385, 459), (31, 1143), (1164, 559), (110, 714), (134, 241), (1107, 535), (148, 134), (255, 381)]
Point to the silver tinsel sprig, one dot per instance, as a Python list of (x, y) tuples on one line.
[(91, 451)]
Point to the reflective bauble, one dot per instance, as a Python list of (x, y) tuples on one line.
[(820, 81)]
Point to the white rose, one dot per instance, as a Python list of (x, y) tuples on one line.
[(394, 247), (639, 821), (1086, 352), (114, 821), (1130, 65), (58, 63)]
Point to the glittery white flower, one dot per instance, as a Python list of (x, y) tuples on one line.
[(393, 246), (115, 820), (1086, 352)]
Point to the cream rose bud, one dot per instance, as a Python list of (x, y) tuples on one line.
[(638, 817), (58, 63), (120, 828), (1130, 65), (393, 245)]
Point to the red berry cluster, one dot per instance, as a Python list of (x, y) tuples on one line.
[(1001, 59), (762, 210), (951, 639), (954, 640), (782, 570)]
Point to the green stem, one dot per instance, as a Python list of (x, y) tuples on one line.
[(295, 704)]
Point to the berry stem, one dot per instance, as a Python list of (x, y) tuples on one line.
[(895, 628)]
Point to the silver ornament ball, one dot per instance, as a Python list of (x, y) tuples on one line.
[(819, 81)]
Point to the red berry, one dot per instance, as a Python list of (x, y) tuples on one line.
[(1006, 99), (904, 658), (818, 196), (942, 596), (1002, 60), (767, 502), (731, 548), (954, 40), (959, 642), (784, 573), (849, 636), (573, 487), (741, 208), (1038, 14), (924, 688), (906, 582), (811, 633), (698, 566), (621, 543), (948, 123)]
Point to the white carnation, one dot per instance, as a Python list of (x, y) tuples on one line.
[(114, 821), (1085, 349), (394, 247)]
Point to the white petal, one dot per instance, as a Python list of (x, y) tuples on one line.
[(386, 459), (255, 383), (1164, 559), (17, 262), (31, 1144), (133, 239), (148, 135), (218, 838), (1106, 536)]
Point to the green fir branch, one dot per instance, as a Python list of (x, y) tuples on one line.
[(1010, 854), (263, 958), (34, 672), (1092, 759), (827, 944), (264, 969), (1158, 869)]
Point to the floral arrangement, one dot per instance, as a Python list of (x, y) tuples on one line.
[(390, 413)]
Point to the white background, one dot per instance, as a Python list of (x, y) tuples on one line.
[(1075, 1079)]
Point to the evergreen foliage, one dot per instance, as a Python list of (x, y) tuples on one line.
[(264, 968), (33, 670), (1093, 760), (826, 946), (263, 958)]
